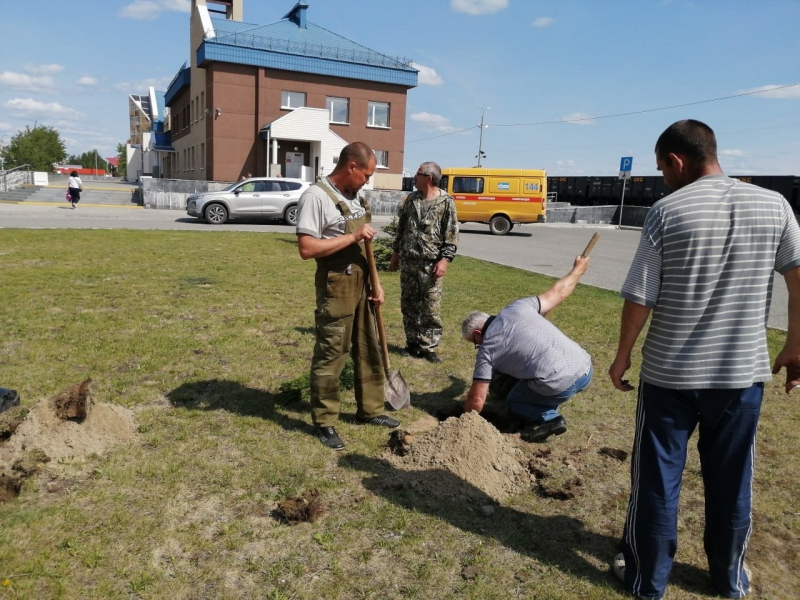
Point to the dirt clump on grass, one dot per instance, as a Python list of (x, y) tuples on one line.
[(10, 421), (74, 402), (305, 508), (464, 457), (46, 435)]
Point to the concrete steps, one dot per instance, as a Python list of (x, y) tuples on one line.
[(21, 193), (116, 195)]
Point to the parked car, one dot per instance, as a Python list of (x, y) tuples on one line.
[(257, 197)]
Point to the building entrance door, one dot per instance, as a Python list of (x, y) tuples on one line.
[(294, 164)]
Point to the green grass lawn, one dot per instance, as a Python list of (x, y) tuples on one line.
[(197, 331)]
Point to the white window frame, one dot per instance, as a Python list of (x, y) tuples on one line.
[(381, 159), (371, 106), (330, 101), (286, 99)]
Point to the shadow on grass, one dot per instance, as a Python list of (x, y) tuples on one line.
[(221, 394), (560, 541)]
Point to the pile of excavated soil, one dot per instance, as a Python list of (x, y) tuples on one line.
[(464, 457), (106, 426)]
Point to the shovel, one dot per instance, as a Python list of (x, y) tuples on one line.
[(396, 390)]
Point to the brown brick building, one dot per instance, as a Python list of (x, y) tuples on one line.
[(281, 98)]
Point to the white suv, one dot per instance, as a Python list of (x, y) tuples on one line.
[(264, 197)]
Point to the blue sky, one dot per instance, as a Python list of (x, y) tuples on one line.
[(71, 66)]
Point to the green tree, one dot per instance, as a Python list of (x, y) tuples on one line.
[(122, 156), (382, 246), (92, 160), (38, 146)]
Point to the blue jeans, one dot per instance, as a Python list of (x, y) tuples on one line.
[(665, 420), (523, 402)]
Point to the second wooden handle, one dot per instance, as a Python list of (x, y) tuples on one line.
[(591, 244)]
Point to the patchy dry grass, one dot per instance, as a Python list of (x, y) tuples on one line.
[(197, 332)]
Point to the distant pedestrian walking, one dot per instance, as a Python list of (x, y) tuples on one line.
[(75, 188)]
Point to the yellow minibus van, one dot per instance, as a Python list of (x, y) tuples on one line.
[(499, 197)]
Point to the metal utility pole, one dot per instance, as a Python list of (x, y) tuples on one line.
[(480, 139)]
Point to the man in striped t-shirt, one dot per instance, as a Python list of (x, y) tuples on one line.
[(704, 269)]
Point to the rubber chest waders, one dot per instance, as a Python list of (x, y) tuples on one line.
[(344, 319)]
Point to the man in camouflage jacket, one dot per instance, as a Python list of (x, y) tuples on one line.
[(426, 242)]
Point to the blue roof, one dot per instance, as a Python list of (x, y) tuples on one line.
[(311, 49), (181, 80)]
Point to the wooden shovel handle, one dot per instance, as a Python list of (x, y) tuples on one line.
[(591, 244), (374, 281)]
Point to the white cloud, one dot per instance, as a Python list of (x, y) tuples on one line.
[(28, 107), (543, 22), (140, 87), (145, 10), (87, 81), (771, 91), (433, 122), (733, 153), (26, 83), (478, 7), (427, 75), (578, 118), (44, 69)]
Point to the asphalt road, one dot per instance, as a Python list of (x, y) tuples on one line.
[(547, 249)]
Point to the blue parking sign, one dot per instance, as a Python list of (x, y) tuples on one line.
[(626, 163)]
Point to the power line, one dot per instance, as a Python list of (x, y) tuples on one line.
[(625, 114), (443, 135)]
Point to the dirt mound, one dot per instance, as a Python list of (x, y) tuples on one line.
[(106, 426), (464, 457)]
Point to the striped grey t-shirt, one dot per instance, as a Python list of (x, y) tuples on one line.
[(520, 342), (704, 264)]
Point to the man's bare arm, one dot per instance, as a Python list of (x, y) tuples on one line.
[(562, 288), (789, 356), (634, 316), (311, 247), (476, 397)]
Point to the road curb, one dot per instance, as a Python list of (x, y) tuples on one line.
[(62, 203)]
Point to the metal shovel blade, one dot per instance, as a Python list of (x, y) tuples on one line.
[(396, 391)]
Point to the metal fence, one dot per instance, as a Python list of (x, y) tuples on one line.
[(16, 177)]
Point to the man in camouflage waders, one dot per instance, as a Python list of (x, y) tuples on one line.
[(426, 242), (333, 222)]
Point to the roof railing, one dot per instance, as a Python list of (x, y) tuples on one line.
[(250, 40), (178, 74)]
